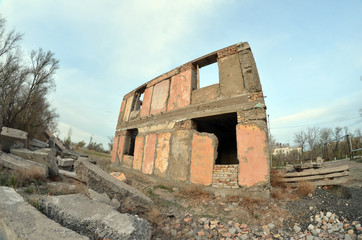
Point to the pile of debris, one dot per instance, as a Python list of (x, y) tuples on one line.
[(49, 158), (317, 173), (53, 159)]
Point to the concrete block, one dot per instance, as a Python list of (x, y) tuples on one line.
[(94, 219), (20, 220), (149, 156), (180, 90), (138, 153), (146, 105), (58, 144), (203, 155), (35, 143), (180, 155), (162, 153), (230, 76), (252, 155), (42, 157), (65, 162), (24, 166), (11, 137), (130, 198), (159, 97)]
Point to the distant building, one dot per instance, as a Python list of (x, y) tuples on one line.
[(286, 150)]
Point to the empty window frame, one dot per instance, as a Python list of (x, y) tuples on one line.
[(207, 71), (130, 141), (138, 99)]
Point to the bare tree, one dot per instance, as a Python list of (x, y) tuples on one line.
[(324, 138), (300, 140), (23, 88), (337, 134), (312, 140)]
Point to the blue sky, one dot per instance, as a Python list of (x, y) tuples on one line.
[(308, 54)]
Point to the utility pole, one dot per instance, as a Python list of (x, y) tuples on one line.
[(269, 143)]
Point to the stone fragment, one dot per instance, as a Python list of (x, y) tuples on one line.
[(94, 219), (296, 229)]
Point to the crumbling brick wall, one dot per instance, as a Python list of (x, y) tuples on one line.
[(181, 132)]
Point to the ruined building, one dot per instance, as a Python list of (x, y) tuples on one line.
[(213, 136)]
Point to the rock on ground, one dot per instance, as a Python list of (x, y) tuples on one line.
[(20, 220), (94, 219)]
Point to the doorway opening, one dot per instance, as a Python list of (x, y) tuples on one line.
[(224, 128)]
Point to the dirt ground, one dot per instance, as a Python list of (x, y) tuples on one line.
[(284, 208)]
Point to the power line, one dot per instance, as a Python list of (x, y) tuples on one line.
[(305, 125)]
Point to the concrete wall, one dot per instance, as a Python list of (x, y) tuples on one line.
[(168, 144)]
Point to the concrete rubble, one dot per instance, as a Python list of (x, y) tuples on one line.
[(23, 166), (20, 220), (12, 138), (130, 198), (94, 219), (40, 156)]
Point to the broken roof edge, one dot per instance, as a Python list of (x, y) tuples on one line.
[(239, 47)]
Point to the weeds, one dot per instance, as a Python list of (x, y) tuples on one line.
[(195, 193)]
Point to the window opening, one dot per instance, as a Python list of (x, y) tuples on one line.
[(224, 128), (208, 75), (138, 99), (130, 142)]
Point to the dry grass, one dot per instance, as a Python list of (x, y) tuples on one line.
[(305, 188), (154, 215), (275, 178), (195, 193)]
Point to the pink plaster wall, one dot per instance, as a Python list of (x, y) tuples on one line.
[(202, 159), (253, 162), (149, 156), (159, 97), (138, 153), (145, 110), (180, 91)]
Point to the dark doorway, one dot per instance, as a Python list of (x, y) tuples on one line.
[(130, 142), (224, 127)]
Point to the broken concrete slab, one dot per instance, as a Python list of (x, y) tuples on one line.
[(46, 158), (12, 138), (36, 144), (130, 198), (26, 167), (54, 140), (20, 220), (94, 219)]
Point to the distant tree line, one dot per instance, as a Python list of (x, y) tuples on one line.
[(328, 143), (25, 82)]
